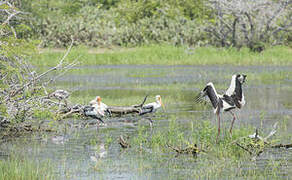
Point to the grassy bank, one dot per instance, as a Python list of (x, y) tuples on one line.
[(19, 168), (168, 55)]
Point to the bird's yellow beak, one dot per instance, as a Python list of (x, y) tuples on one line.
[(162, 104), (98, 100)]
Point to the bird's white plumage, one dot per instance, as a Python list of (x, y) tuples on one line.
[(231, 88), (242, 102), (233, 98), (154, 105), (99, 107)]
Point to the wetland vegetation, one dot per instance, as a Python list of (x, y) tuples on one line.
[(168, 55), (159, 47)]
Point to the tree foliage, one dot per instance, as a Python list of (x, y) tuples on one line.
[(134, 22), (250, 23)]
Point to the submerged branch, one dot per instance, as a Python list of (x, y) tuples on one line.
[(124, 144)]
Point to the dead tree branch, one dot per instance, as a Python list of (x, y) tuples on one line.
[(249, 23)]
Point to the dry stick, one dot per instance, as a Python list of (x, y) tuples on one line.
[(10, 16), (71, 112), (123, 143), (244, 148), (282, 145)]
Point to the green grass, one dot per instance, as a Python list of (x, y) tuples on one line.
[(168, 55), (20, 168), (224, 160)]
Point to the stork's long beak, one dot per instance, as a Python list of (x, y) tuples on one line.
[(98, 101), (162, 104)]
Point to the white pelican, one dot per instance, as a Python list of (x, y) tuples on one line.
[(152, 107), (233, 98)]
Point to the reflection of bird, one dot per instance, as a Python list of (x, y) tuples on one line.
[(100, 153), (233, 98), (152, 107)]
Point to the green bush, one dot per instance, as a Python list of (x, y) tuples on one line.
[(98, 27)]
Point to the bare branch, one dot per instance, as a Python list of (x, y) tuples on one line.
[(43, 74)]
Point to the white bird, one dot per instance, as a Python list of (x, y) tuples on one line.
[(100, 153), (97, 109), (233, 98), (97, 100), (152, 107)]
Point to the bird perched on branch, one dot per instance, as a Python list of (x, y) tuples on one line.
[(231, 99), (152, 107)]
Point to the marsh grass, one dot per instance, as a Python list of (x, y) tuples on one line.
[(169, 55), (15, 168), (222, 160)]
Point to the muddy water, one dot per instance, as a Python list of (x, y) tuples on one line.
[(79, 153)]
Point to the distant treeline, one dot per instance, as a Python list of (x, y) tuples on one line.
[(103, 23)]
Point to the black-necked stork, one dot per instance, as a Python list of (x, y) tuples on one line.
[(152, 107), (231, 99)]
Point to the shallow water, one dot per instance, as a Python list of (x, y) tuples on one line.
[(77, 153)]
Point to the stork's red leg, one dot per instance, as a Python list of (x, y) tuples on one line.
[(230, 131), (218, 116)]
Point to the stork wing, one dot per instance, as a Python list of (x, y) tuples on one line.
[(148, 106), (147, 110), (100, 111), (228, 99)]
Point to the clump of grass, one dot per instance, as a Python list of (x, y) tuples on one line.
[(21, 168), (169, 55)]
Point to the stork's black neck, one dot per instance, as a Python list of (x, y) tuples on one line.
[(238, 89)]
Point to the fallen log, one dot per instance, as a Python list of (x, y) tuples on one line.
[(124, 110), (118, 110), (287, 146), (121, 110)]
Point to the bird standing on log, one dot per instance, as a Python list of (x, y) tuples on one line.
[(231, 99), (152, 107), (97, 101), (97, 109)]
